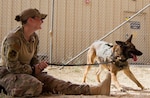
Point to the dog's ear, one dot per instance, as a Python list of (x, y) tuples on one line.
[(120, 43), (130, 38)]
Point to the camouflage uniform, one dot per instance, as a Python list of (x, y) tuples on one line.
[(17, 77)]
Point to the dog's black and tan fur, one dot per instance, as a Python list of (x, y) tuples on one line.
[(118, 55)]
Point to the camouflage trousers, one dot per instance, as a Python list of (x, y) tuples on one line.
[(57, 86), (19, 84), (28, 85)]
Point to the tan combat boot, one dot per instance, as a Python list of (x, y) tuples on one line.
[(103, 88)]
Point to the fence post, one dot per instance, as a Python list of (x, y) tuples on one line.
[(51, 31)]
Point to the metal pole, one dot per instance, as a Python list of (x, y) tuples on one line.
[(51, 31), (111, 31)]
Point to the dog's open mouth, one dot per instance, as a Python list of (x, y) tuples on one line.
[(134, 57)]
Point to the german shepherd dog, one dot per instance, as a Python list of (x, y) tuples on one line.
[(116, 56)]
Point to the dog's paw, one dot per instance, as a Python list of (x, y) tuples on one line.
[(123, 90), (84, 83), (142, 88)]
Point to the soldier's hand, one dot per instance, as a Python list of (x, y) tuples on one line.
[(40, 67)]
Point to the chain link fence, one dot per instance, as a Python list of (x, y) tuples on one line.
[(73, 25)]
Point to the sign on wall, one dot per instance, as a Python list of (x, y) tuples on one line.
[(135, 25)]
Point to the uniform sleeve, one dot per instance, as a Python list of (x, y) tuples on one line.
[(12, 48)]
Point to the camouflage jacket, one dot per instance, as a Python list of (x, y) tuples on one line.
[(17, 54)]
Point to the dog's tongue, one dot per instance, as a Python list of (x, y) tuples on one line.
[(134, 57)]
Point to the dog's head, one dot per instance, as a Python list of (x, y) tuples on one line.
[(128, 49)]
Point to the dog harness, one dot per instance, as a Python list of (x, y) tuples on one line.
[(105, 50)]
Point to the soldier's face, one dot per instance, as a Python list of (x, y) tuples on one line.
[(36, 23)]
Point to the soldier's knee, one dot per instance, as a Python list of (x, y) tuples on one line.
[(35, 89), (32, 90)]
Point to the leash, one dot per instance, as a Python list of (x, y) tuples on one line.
[(63, 65), (77, 64)]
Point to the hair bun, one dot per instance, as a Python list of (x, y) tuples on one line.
[(18, 18)]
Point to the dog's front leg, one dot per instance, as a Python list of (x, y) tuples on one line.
[(132, 77), (115, 81)]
